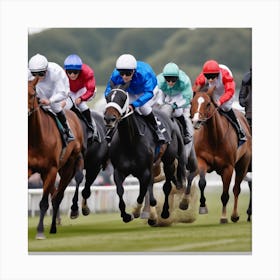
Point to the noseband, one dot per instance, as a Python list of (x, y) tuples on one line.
[(203, 118)]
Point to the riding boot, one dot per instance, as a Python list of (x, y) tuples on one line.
[(92, 129), (240, 132), (64, 122), (187, 137), (152, 121)]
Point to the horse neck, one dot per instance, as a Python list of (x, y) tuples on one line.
[(215, 128), (35, 128), (127, 130)]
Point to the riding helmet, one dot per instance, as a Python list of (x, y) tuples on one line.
[(171, 69), (73, 62), (38, 63), (126, 61), (211, 66)]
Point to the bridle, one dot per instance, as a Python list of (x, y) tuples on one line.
[(204, 117), (33, 109)]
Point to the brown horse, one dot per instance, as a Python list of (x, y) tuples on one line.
[(48, 156), (216, 146)]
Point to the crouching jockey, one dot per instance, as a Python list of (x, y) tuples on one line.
[(82, 89), (220, 76), (52, 87), (142, 87), (177, 91)]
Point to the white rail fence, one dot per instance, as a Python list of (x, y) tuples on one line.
[(102, 199), (105, 198)]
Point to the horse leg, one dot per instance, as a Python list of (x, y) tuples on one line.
[(240, 173), (226, 178), (184, 204), (48, 186), (169, 170), (249, 210), (66, 173), (145, 213), (119, 178), (91, 174), (202, 184), (79, 176)]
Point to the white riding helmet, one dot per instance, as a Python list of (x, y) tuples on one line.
[(38, 63), (126, 61)]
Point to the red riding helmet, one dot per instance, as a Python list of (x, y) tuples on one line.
[(211, 66)]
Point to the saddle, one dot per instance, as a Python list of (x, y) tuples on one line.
[(59, 125), (159, 149)]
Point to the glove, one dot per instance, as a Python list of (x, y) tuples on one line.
[(174, 106)]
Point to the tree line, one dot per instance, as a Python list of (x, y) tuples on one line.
[(188, 48)]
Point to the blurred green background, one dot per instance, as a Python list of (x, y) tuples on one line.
[(189, 48)]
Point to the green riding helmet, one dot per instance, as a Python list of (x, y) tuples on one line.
[(171, 69)]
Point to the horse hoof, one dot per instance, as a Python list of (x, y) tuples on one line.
[(183, 205), (203, 210), (40, 236), (234, 219), (136, 215), (85, 211), (127, 218), (74, 214), (152, 223), (223, 221), (53, 230), (165, 215), (144, 215)]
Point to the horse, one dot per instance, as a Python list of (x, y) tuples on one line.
[(191, 165), (133, 151), (217, 149), (95, 159), (48, 155)]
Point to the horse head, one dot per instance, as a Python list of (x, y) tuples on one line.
[(202, 107), (117, 104), (32, 101)]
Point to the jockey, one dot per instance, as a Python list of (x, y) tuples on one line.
[(52, 87), (221, 77), (82, 89), (245, 96), (142, 88), (177, 89)]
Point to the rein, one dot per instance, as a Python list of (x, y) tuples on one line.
[(33, 109)]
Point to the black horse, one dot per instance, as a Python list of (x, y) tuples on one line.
[(95, 159), (133, 150)]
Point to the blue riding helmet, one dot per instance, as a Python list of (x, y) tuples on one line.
[(73, 62)]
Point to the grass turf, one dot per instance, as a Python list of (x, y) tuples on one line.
[(107, 233)]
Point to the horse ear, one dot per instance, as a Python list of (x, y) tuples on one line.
[(34, 81), (126, 86)]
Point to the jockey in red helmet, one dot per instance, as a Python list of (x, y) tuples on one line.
[(220, 76)]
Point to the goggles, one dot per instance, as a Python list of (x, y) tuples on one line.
[(126, 72), (172, 79), (40, 74), (212, 76), (70, 71)]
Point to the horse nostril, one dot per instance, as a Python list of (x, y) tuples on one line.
[(109, 119)]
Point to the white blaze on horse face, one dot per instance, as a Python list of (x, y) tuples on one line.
[(200, 100)]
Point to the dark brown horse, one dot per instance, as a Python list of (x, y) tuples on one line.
[(48, 156), (216, 146)]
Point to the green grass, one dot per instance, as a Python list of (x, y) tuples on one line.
[(108, 233)]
